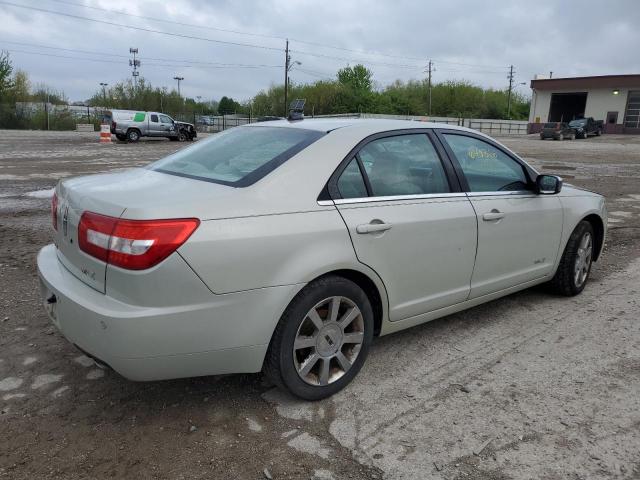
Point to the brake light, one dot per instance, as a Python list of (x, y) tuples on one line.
[(114, 125), (54, 211), (132, 244)]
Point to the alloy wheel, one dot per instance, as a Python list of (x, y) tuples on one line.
[(328, 341), (583, 260)]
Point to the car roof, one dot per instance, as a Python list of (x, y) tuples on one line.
[(371, 125)]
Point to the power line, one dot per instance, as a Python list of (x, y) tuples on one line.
[(262, 35), (103, 60), (225, 42), (174, 22), (142, 29), (316, 74), (171, 60)]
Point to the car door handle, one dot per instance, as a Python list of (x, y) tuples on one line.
[(493, 215), (373, 227)]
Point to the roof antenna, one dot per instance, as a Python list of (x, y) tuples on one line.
[(296, 109)]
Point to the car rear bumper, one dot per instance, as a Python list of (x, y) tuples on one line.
[(228, 334), (554, 135)]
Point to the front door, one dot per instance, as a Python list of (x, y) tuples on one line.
[(518, 230), (408, 224), (167, 126)]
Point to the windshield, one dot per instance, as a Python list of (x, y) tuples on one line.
[(238, 157), (578, 123)]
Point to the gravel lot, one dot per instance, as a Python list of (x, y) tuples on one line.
[(529, 386)]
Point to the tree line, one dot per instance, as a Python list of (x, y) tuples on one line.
[(352, 91)]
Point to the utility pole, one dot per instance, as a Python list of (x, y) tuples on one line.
[(179, 79), (431, 69), (135, 63), (46, 107), (510, 77), (287, 59), (104, 92)]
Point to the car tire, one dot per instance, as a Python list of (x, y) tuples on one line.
[(572, 136), (561, 137), (315, 352), (598, 133), (133, 135), (585, 135), (575, 264), (182, 136)]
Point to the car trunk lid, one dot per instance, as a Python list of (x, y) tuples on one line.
[(132, 194)]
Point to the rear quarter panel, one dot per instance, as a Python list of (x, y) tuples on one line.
[(236, 254)]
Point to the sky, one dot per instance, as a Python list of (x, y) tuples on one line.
[(236, 48)]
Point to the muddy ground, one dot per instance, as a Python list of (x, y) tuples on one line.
[(529, 386)]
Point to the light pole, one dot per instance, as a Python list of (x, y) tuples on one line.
[(179, 79), (104, 92)]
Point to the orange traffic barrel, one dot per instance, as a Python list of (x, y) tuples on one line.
[(105, 133)]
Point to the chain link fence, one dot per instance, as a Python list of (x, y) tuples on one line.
[(45, 116)]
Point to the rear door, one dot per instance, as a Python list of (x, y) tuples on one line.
[(518, 230), (408, 221), (155, 127)]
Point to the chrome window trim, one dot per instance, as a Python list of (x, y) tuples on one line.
[(424, 196), (500, 193)]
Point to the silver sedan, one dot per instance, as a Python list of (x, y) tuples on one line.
[(288, 246)]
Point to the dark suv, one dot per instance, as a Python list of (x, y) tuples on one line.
[(587, 126), (557, 131)]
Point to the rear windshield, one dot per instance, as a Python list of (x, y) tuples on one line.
[(550, 125), (578, 123), (238, 157)]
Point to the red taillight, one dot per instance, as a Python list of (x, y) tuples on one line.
[(132, 244), (54, 211), (114, 125)]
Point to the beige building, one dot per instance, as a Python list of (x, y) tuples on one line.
[(615, 99)]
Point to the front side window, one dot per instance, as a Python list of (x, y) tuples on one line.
[(165, 119), (403, 165), (486, 168), (239, 156)]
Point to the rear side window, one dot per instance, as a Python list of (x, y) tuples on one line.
[(351, 184), (154, 118), (486, 168), (403, 165), (238, 157), (550, 125)]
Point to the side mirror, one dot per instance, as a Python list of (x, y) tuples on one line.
[(548, 184)]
